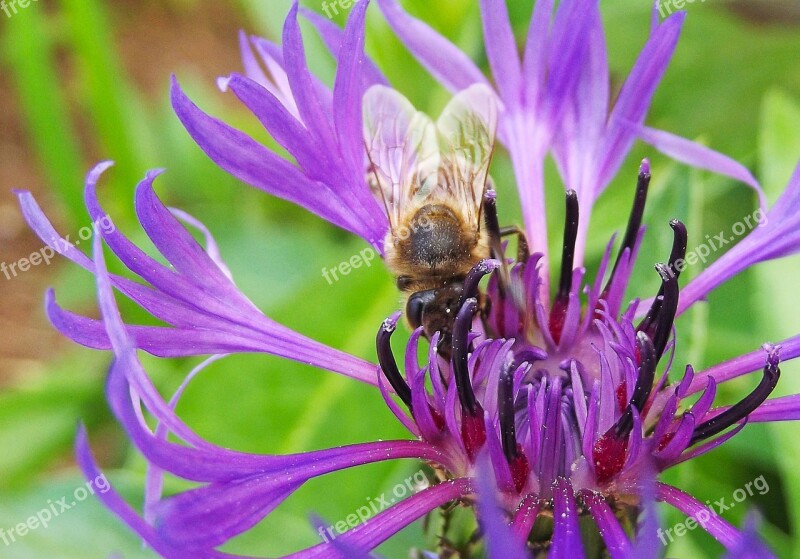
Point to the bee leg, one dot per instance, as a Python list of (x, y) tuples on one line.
[(495, 234), (523, 252)]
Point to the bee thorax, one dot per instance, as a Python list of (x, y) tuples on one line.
[(435, 239)]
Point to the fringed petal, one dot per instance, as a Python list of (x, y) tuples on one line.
[(379, 528), (774, 235), (700, 156), (720, 529)]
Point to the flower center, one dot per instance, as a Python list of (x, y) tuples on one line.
[(561, 391)]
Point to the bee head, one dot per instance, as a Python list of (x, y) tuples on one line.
[(434, 309)]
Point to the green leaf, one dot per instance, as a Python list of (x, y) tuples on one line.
[(106, 92), (85, 529), (779, 141), (46, 409), (777, 281), (29, 48)]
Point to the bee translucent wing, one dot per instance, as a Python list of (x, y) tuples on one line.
[(402, 147), (467, 130)]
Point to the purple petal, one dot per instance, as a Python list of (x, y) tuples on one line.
[(277, 83), (785, 408), (212, 249), (709, 445), (744, 364), (398, 412), (304, 90), (379, 528), (210, 463), (38, 222), (212, 515), (179, 247), (680, 440), (525, 517), (154, 478), (349, 89), (722, 531), (585, 117), (750, 545), (501, 470), (700, 156), (332, 35), (774, 235), (574, 34), (646, 544), (281, 124), (212, 317), (636, 94), (501, 48), (254, 164), (501, 542), (446, 62), (617, 542), (118, 506), (567, 542), (205, 516), (157, 340), (534, 62), (252, 68)]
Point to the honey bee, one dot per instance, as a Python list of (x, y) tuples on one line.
[(432, 179)]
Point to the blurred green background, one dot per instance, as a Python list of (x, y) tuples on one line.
[(85, 80)]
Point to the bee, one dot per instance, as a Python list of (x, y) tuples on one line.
[(432, 179)]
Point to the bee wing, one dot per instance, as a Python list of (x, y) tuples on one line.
[(467, 130), (402, 148)]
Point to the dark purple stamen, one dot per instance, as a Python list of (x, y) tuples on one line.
[(505, 405), (561, 302), (643, 386), (461, 329), (388, 363), (740, 411), (474, 278), (570, 237), (678, 254), (664, 319), (680, 241), (491, 220), (635, 219), (495, 234)]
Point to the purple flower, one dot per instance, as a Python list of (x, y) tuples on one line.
[(536, 408), (298, 111)]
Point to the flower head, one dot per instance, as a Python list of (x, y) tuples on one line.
[(534, 407)]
